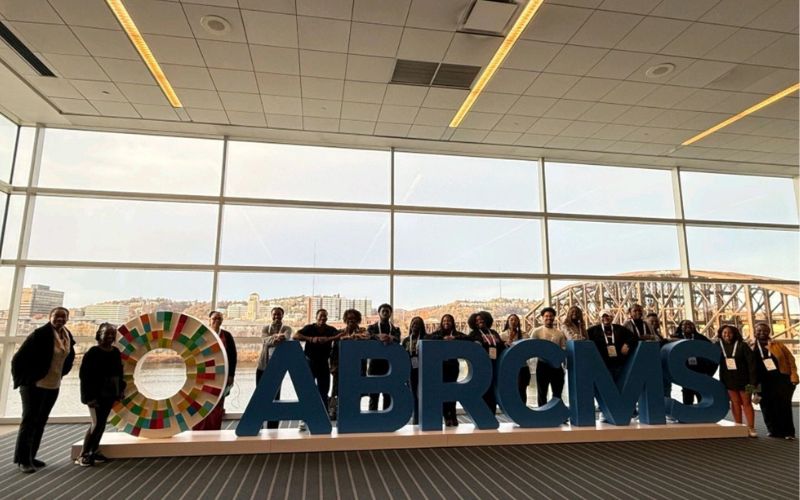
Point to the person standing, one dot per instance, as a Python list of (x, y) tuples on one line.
[(318, 338), (638, 326), (546, 375), (491, 342), (512, 331), (102, 384), (737, 371), (416, 333), (686, 330), (385, 332), (352, 331), (777, 376), (447, 332), (574, 327), (272, 336), (213, 421), (653, 320), (38, 366), (614, 342)]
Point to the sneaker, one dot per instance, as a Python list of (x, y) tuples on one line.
[(789, 438), (38, 463), (99, 458), (752, 433), (83, 461), (302, 426), (27, 469)]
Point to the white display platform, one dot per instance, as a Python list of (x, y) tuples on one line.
[(197, 443)]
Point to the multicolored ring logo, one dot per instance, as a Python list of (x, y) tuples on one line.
[(206, 373)]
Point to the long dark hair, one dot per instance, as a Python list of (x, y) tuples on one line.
[(737, 335), (452, 319), (508, 325), (471, 321), (488, 320), (422, 325)]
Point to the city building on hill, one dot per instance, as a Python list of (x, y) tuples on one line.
[(253, 307), (112, 313), (336, 305), (236, 311), (39, 300)]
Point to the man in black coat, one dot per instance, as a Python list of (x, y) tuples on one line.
[(37, 368), (614, 342), (385, 332), (686, 330)]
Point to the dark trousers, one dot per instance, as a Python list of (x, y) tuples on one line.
[(378, 367), (414, 381), (271, 424), (523, 381), (322, 376), (546, 377), (99, 414), (689, 396), (450, 374), (36, 406), (776, 404)]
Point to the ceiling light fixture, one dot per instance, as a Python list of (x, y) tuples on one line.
[(508, 43), (138, 42), (750, 110)]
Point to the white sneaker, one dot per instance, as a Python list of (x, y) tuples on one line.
[(752, 433), (302, 426)]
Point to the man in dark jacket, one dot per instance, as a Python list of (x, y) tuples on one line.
[(385, 332), (614, 342), (686, 330), (37, 368)]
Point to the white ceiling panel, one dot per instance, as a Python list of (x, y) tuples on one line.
[(356, 127), (238, 101), (225, 55), (52, 38), (274, 84), (515, 123), (783, 53), (158, 17), (143, 94), (440, 98), (492, 102), (231, 80), (29, 10), (653, 34), (282, 105), (323, 64), (323, 34), (282, 6), (392, 129), (426, 131), (736, 12), (82, 67), (107, 43), (374, 39), (188, 77), (364, 92), (369, 68), (110, 108), (234, 33), (468, 135), (574, 60), (636, 115), (672, 118), (424, 45), (336, 9), (207, 115), (613, 132), (499, 137), (392, 12), (603, 112), (591, 89), (275, 60), (605, 29), (321, 124), (284, 121), (530, 55), (582, 129), (698, 39), (555, 23), (175, 50), (125, 71), (321, 88), (782, 16), (633, 6), (55, 87), (481, 121), (618, 64), (549, 126), (629, 92), (397, 114), (742, 45), (270, 28), (409, 95), (153, 112), (778, 79), (199, 99), (247, 118), (568, 109), (434, 117), (666, 96), (532, 106), (551, 85), (683, 9), (439, 15), (474, 50), (102, 91), (533, 140), (511, 81), (360, 111), (700, 73)]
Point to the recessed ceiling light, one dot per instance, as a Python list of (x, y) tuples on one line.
[(215, 25), (659, 70)]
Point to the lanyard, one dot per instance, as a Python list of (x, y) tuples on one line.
[(490, 337), (606, 335), (411, 341), (762, 351), (733, 354), (636, 329)]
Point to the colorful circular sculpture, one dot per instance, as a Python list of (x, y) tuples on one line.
[(206, 373)]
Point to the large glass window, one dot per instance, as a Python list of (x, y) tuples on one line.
[(104, 161), (739, 198), (466, 182), (8, 138), (595, 190), (285, 172), (752, 253), (467, 243), (13, 226), (22, 162), (301, 237), (598, 248), (85, 229)]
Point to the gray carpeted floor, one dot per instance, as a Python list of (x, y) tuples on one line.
[(728, 468)]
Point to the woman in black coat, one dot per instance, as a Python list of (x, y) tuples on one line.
[(37, 368), (491, 342), (737, 371), (447, 332)]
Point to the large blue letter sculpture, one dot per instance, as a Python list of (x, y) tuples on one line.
[(287, 358), (352, 386), (713, 404)]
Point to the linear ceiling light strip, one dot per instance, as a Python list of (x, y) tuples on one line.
[(750, 110), (144, 51), (508, 43)]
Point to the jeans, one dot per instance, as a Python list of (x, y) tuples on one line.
[(36, 406), (547, 376), (99, 414)]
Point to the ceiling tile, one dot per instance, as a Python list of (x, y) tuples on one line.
[(468, 135), (175, 50), (700, 73), (636, 115), (551, 85), (360, 111), (247, 118), (515, 123), (321, 88), (234, 33), (742, 45), (336, 9), (70, 67), (374, 39), (634, 6), (426, 132), (605, 29), (782, 17), (532, 106), (392, 12), (440, 98), (555, 23), (156, 17), (270, 28), (188, 77), (511, 81), (225, 55), (574, 60), (672, 118), (652, 34), (323, 34), (405, 95), (666, 96), (568, 110), (281, 105), (439, 15), (321, 124), (698, 39), (55, 87), (323, 64), (217, 3), (29, 10), (591, 89), (397, 114), (564, 142), (680, 63), (481, 121), (783, 53), (154, 112), (549, 126), (491, 102), (434, 117), (475, 50), (581, 129), (101, 91), (602, 112), (234, 81), (618, 64), (364, 92), (369, 68), (703, 99), (109, 108), (52, 38), (595, 144), (531, 55), (124, 71), (736, 12), (275, 60), (533, 140), (392, 129), (423, 45), (274, 84), (613, 132), (629, 92), (683, 9), (237, 101), (143, 94), (741, 77), (499, 137), (107, 43), (199, 99), (284, 121), (778, 79), (283, 6), (207, 115), (356, 127)]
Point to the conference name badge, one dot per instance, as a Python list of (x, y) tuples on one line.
[(730, 363), (493, 353), (612, 351), (414, 362), (769, 365), (692, 361)]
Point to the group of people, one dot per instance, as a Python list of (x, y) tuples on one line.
[(762, 371)]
